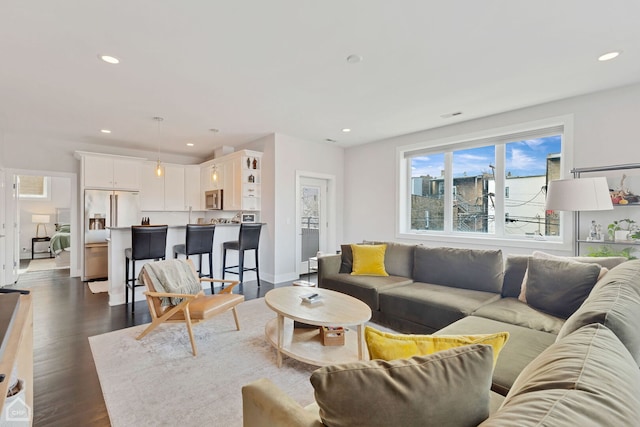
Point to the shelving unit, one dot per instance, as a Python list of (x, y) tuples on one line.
[(577, 172)]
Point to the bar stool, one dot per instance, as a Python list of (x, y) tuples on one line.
[(248, 239), (147, 242), (198, 241)]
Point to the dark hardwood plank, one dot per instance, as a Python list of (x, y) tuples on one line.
[(66, 386)]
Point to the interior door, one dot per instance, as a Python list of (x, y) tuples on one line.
[(312, 220)]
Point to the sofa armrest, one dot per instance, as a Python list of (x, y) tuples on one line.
[(328, 264), (265, 405)]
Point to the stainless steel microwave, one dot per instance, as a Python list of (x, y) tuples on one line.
[(213, 199)]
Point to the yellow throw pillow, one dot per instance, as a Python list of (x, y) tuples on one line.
[(386, 346), (368, 260)]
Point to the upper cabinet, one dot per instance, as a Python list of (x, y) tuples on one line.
[(192, 192), (169, 191), (238, 175), (111, 172)]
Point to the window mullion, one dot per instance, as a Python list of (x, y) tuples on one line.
[(499, 197), (448, 192)]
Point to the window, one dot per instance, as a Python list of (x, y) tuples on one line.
[(34, 187), (488, 186)]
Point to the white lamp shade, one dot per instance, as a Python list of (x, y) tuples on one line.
[(583, 194), (40, 219)]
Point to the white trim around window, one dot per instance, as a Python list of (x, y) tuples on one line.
[(563, 242)]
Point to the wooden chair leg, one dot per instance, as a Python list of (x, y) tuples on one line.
[(187, 317), (235, 316)]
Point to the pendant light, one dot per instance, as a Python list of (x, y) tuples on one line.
[(158, 164), (214, 175)]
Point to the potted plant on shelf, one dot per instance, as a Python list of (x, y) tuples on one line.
[(619, 230)]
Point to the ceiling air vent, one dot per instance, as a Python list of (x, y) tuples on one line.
[(449, 115)]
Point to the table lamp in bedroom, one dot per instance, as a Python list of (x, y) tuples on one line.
[(41, 220)]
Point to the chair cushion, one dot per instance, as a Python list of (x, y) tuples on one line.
[(450, 387), (231, 245), (206, 306), (180, 249)]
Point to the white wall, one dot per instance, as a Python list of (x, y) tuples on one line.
[(283, 156), (605, 133)]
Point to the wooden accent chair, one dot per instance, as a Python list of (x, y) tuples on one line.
[(193, 308)]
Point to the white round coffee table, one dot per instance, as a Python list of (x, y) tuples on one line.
[(332, 309)]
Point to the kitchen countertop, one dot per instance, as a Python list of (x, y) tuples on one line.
[(177, 226)]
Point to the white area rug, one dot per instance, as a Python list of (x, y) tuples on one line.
[(157, 381), (43, 264), (98, 286)]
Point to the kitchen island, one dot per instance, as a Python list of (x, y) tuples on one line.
[(120, 239)]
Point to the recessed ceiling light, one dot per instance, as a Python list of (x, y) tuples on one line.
[(609, 56), (354, 59), (109, 59), (105, 131), (190, 144), (346, 130)]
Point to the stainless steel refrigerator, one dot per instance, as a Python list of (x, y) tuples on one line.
[(104, 208)]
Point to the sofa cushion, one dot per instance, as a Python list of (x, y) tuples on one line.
[(559, 287), (398, 260), (587, 378), (515, 267), (543, 255), (364, 288), (388, 346), (434, 306), (615, 303), (523, 346), (368, 260), (511, 310), (474, 269), (448, 388), (346, 266)]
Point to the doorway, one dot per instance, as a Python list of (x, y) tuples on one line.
[(43, 235), (315, 214)]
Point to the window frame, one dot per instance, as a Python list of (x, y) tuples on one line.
[(563, 242), (46, 188)]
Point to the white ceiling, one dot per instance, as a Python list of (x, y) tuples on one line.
[(254, 67)]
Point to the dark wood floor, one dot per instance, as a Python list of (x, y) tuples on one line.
[(66, 390)]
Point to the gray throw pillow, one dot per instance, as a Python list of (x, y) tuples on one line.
[(448, 388), (347, 259), (559, 287)]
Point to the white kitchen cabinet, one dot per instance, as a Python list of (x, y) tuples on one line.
[(174, 199), (111, 172), (232, 188), (151, 189), (192, 193)]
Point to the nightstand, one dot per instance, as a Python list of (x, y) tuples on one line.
[(35, 240)]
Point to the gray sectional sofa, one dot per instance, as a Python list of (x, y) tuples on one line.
[(576, 365)]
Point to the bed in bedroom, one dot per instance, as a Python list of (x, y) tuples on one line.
[(61, 244)]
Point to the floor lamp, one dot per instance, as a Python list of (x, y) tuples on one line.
[(576, 195), (41, 220)]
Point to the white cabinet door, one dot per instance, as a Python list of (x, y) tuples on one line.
[(114, 174), (152, 188), (192, 193), (126, 174), (98, 172), (174, 188), (232, 177)]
